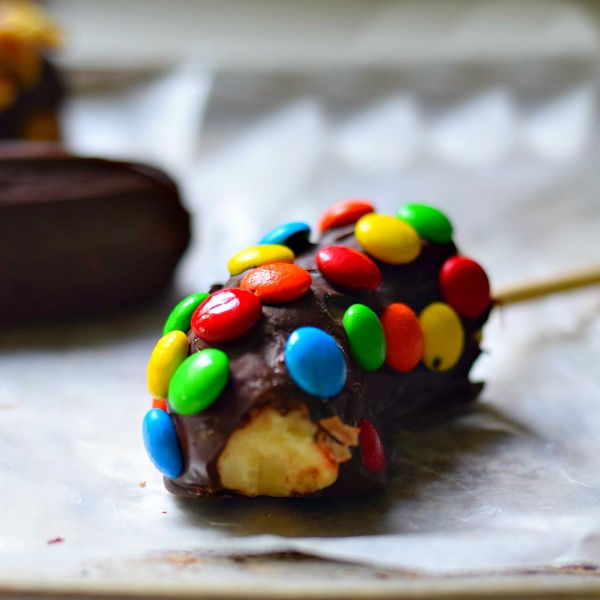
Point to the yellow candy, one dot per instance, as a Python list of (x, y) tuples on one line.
[(387, 238), (444, 336), (256, 256), (168, 354)]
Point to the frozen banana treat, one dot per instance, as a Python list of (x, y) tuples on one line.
[(81, 236), (31, 87), (295, 376)]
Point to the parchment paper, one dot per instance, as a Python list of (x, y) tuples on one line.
[(513, 484)]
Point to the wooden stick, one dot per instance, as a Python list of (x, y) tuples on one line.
[(522, 292)]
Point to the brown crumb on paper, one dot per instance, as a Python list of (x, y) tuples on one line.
[(142, 484)]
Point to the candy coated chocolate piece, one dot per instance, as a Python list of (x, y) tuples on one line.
[(198, 381), (371, 448), (159, 403), (444, 336), (315, 362), (365, 336), (404, 337), (348, 268), (160, 441), (388, 239), (277, 282), (294, 235), (344, 213), (465, 286), (179, 318), (168, 354), (430, 223), (256, 256), (225, 315)]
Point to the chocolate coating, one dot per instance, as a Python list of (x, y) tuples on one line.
[(83, 236), (43, 98), (391, 400)]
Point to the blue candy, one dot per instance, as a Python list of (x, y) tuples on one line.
[(160, 440), (315, 362), (281, 234)]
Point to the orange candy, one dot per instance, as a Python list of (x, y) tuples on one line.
[(277, 282), (159, 403), (343, 213), (405, 342)]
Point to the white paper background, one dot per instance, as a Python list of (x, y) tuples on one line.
[(513, 160)]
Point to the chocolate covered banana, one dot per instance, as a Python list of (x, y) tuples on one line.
[(83, 236), (296, 375)]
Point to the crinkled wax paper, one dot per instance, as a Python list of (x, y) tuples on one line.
[(513, 161)]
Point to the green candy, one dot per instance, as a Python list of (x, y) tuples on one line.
[(198, 381), (431, 224), (179, 319), (365, 335)]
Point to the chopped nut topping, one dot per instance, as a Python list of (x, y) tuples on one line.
[(336, 438)]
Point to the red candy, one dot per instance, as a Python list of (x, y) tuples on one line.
[(371, 448), (405, 342), (348, 268), (159, 403), (225, 315), (465, 286), (344, 213), (277, 282)]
